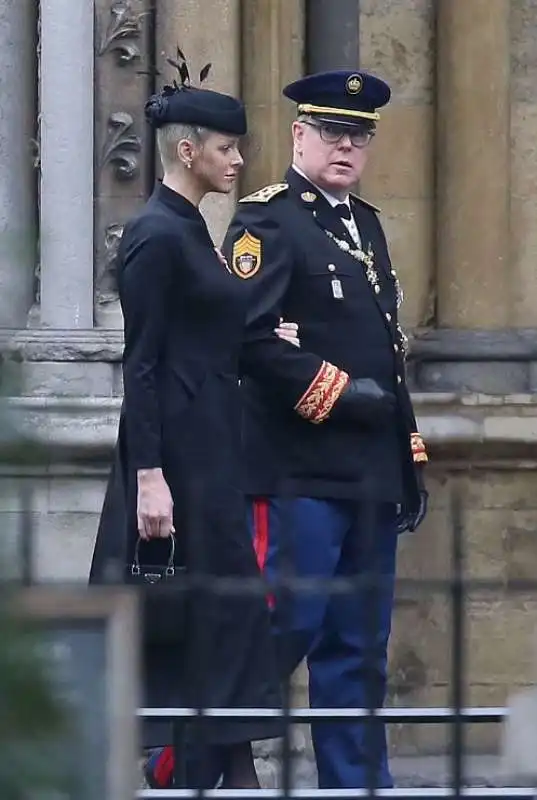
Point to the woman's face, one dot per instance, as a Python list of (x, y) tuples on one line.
[(216, 162)]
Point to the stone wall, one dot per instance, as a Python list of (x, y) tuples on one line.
[(397, 41)]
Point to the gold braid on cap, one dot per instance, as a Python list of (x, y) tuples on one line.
[(309, 108)]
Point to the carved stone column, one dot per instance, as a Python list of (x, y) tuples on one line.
[(66, 139), (273, 42), (18, 208), (206, 31), (123, 143)]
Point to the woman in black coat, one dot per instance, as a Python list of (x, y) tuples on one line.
[(177, 465)]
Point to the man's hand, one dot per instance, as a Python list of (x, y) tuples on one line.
[(289, 332), (411, 519), (363, 400), (155, 505)]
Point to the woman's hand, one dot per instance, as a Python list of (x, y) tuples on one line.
[(155, 505), (289, 332)]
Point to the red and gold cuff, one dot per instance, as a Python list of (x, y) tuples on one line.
[(319, 398), (419, 453)]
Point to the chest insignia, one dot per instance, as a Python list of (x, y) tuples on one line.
[(308, 197), (366, 258), (246, 258)]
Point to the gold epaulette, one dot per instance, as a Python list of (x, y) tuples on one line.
[(266, 194), (365, 203)]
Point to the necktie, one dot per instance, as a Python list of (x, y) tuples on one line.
[(343, 210), (348, 220)]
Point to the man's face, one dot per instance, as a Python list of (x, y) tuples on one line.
[(333, 156)]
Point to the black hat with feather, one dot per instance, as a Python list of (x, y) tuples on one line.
[(182, 103)]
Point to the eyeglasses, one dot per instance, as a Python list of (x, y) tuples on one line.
[(332, 133)]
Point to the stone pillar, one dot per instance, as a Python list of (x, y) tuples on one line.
[(332, 35), (524, 161), (397, 43), (18, 208), (66, 137), (473, 154), (273, 41), (470, 350), (205, 32)]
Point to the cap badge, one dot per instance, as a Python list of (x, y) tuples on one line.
[(354, 84)]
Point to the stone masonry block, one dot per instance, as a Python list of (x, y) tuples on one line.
[(68, 379), (396, 41)]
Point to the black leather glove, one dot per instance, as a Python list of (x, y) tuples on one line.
[(363, 400), (410, 519)]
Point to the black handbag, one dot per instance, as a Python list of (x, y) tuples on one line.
[(164, 596)]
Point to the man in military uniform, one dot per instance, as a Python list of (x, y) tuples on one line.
[(334, 457)]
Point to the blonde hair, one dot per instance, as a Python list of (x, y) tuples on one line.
[(169, 136)]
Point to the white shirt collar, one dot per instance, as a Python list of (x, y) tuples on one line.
[(334, 201)]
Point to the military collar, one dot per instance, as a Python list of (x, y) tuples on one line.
[(176, 202), (333, 201), (310, 198)]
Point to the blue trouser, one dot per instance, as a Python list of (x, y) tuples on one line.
[(343, 635)]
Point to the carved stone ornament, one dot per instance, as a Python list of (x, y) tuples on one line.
[(108, 284), (124, 27), (122, 147)]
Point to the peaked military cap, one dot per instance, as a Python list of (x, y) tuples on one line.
[(342, 96)]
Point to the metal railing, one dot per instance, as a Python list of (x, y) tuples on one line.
[(457, 715)]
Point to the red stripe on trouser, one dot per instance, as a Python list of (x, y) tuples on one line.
[(261, 537)]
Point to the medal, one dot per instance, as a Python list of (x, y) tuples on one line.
[(337, 289)]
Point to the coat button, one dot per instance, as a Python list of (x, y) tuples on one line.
[(377, 288), (396, 348), (388, 316), (399, 379), (331, 267)]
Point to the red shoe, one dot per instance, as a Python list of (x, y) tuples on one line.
[(158, 770)]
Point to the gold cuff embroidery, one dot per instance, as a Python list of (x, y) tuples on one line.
[(419, 453), (319, 398)]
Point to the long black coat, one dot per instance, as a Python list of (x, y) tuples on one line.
[(184, 318), (348, 322)]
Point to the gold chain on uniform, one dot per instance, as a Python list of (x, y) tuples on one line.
[(367, 260)]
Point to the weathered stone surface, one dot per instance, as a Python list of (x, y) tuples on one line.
[(272, 35), (523, 51), (408, 226), (18, 252), (396, 40), (473, 150), (208, 33), (396, 43), (74, 379)]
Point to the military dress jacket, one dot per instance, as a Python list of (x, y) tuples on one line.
[(299, 262)]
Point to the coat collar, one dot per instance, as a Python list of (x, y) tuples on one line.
[(176, 202)]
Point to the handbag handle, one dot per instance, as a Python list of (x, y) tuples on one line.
[(170, 569)]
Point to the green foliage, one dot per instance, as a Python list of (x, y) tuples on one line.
[(33, 719), (34, 722)]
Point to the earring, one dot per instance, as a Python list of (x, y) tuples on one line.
[(189, 164)]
